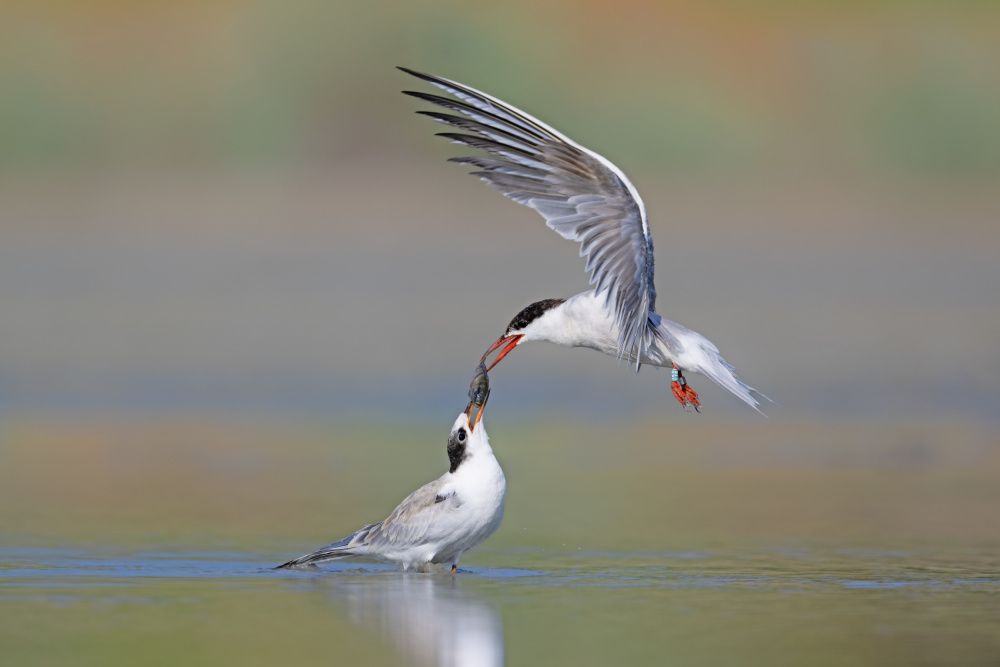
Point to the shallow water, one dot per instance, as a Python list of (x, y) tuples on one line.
[(153, 541), (802, 604)]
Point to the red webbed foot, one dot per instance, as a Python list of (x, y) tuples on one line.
[(682, 391)]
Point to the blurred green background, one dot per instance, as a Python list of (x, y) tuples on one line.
[(227, 211), (228, 206), (745, 90)]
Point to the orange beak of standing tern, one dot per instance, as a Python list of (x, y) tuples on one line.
[(475, 412), (511, 344)]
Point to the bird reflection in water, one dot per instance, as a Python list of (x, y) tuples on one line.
[(429, 619)]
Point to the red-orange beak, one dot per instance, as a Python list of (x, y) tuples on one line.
[(511, 344)]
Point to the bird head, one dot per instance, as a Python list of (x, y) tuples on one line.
[(529, 324), (465, 438)]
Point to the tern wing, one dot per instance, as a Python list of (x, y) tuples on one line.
[(581, 195), (413, 522), (410, 524)]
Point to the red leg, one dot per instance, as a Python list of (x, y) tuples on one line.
[(682, 391), (454, 569)]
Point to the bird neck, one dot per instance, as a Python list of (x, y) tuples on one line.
[(580, 321), (476, 452)]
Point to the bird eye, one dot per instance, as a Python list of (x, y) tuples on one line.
[(522, 323), (461, 435)]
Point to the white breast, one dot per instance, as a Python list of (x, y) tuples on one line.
[(582, 321), (481, 487)]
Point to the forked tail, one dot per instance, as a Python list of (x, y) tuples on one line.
[(721, 373), (693, 352)]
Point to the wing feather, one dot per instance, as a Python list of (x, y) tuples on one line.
[(411, 521), (409, 525), (581, 195)]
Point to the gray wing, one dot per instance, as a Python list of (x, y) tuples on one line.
[(581, 195), (411, 522)]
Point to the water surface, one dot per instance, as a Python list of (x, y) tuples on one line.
[(802, 604), (153, 540)]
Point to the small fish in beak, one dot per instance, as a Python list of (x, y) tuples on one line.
[(479, 392)]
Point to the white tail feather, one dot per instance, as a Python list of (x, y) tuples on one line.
[(693, 352)]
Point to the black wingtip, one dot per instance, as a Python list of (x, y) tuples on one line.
[(297, 564), (413, 72), (428, 97)]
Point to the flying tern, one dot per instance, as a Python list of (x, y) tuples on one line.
[(441, 520), (585, 198)]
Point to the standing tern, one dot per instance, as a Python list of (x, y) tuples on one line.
[(585, 198), (441, 520)]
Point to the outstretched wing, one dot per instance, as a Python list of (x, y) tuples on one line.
[(581, 195)]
